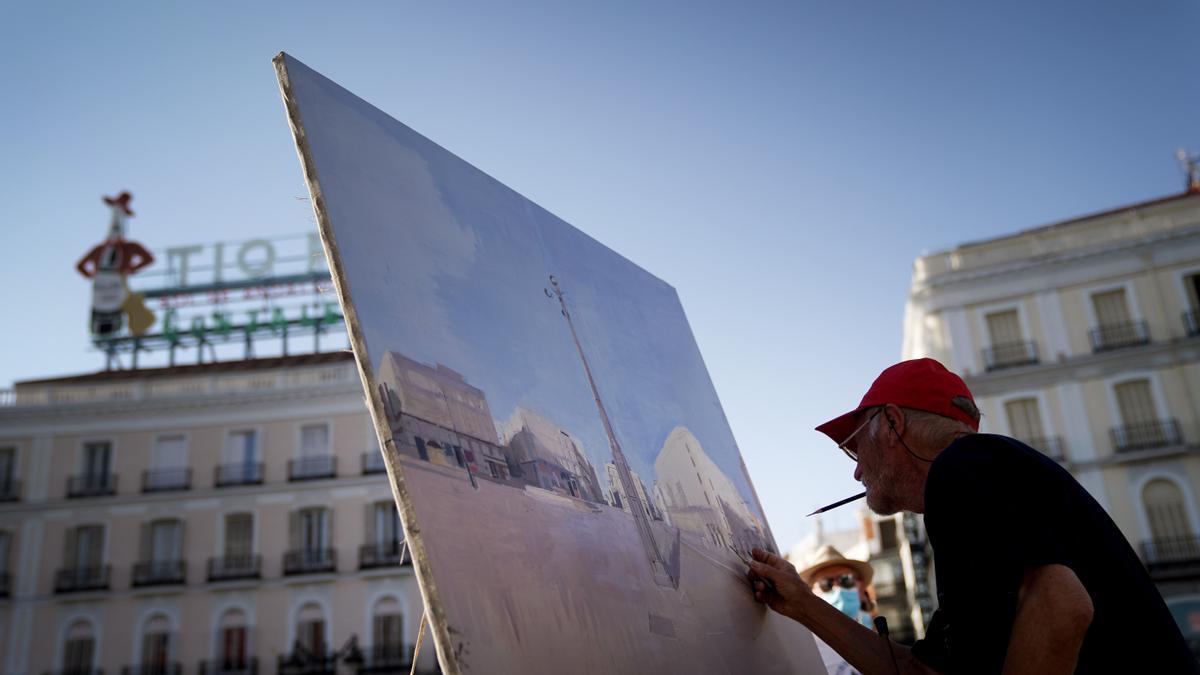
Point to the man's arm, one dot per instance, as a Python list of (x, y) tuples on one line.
[(1054, 611), (788, 595)]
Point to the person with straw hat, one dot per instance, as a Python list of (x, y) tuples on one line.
[(842, 582)]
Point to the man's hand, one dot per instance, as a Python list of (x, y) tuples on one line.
[(777, 584)]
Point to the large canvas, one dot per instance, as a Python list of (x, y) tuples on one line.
[(569, 486)]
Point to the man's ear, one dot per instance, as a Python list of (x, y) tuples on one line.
[(895, 418)]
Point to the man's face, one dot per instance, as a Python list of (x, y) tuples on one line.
[(882, 470), (835, 576)]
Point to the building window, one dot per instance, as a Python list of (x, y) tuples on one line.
[(169, 465), (241, 463), (1164, 510), (314, 440), (310, 543), (232, 637), (1172, 538), (9, 488), (161, 554), (1007, 345), (1141, 428), (95, 477), (79, 649), (387, 637), (1115, 326), (310, 631), (85, 548), (887, 534), (1191, 316), (239, 535), (5, 575), (156, 646)]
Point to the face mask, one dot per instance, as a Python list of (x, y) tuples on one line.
[(846, 600)]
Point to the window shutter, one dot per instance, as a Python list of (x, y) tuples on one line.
[(146, 546), (1111, 308), (1024, 419), (1165, 511), (294, 535), (369, 525), (1135, 402), (1004, 327)]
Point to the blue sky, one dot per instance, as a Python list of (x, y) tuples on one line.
[(781, 165)]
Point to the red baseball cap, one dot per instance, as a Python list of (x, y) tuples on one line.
[(920, 384)]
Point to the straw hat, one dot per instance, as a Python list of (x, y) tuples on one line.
[(828, 556)]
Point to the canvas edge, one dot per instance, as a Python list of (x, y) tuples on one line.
[(433, 612)]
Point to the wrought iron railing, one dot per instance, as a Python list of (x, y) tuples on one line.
[(1118, 335), (225, 475), (386, 554), (1166, 553), (231, 567), (306, 664), (372, 462), (171, 668), (310, 561), (76, 579), (75, 671), (1010, 355), (159, 572), (92, 485), (246, 666), (312, 468), (386, 659), (1050, 446), (163, 480), (1146, 435)]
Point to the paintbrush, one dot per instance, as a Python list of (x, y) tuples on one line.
[(834, 505)]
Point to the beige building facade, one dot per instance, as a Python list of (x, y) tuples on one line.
[(220, 518), (1082, 339)]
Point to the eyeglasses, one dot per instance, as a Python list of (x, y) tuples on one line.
[(844, 581), (845, 445)]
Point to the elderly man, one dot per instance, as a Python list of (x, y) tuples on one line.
[(1032, 574)]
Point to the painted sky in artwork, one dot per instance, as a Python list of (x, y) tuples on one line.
[(446, 265)]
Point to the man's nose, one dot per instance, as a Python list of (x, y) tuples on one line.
[(858, 472)]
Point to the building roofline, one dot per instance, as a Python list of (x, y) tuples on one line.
[(243, 365), (1157, 201)]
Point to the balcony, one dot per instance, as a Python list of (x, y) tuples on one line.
[(75, 671), (372, 556), (306, 663), (247, 666), (79, 579), (159, 573), (1172, 557), (312, 468), (171, 668), (244, 473), (1119, 336), (166, 480), (1010, 355), (1050, 446), (386, 659), (372, 462), (10, 489), (1191, 322), (1146, 435), (92, 485), (305, 561), (234, 567)]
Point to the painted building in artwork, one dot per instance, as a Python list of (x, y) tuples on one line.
[(549, 457), (617, 496), (1082, 339), (437, 416), (699, 499), (231, 517)]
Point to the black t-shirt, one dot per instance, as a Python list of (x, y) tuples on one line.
[(995, 508)]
